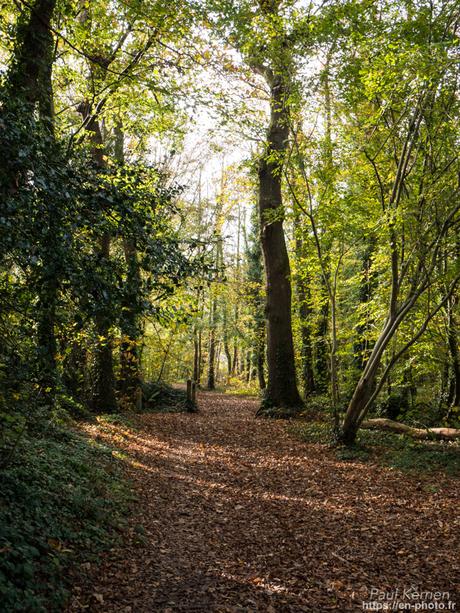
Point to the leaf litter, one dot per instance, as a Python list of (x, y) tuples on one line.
[(235, 515)]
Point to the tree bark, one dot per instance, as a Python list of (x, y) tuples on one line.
[(261, 366), (362, 347), (104, 396), (130, 328), (281, 389), (196, 354), (305, 314), (256, 299), (321, 345), (418, 433), (29, 78), (453, 344), (228, 355), (129, 381), (211, 384)]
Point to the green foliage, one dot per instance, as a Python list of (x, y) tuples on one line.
[(236, 387), (122, 420), (312, 431), (63, 501), (102, 251), (391, 450), (416, 457), (51, 269)]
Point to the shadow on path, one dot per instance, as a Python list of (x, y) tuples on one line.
[(238, 516)]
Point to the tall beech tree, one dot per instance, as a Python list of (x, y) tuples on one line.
[(268, 35), (281, 386), (276, 69)]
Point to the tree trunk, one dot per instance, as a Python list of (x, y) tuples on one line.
[(228, 355), (308, 377), (360, 398), (28, 86), (305, 314), (362, 346), (281, 390), (261, 366), (236, 362), (453, 343), (130, 328), (365, 387), (452, 305), (196, 356), (321, 343), (104, 396), (235, 359), (29, 78), (417, 433), (248, 366), (335, 395), (211, 384), (255, 296)]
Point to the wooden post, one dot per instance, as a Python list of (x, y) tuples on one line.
[(191, 396), (194, 392), (139, 398)]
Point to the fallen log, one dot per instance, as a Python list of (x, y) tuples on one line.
[(380, 423)]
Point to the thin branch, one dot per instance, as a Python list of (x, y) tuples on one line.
[(407, 346)]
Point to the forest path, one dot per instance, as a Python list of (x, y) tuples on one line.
[(240, 516)]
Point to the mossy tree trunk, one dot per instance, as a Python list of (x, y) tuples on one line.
[(104, 394), (29, 89), (130, 327)]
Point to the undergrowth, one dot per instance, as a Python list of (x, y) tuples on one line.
[(64, 500), (236, 387), (387, 449), (159, 397)]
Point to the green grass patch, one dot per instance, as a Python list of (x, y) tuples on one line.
[(64, 500), (387, 449)]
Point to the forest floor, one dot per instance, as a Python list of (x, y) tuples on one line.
[(235, 515)]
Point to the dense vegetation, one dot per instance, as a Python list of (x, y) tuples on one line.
[(258, 196)]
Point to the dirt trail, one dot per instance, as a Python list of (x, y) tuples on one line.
[(239, 516)]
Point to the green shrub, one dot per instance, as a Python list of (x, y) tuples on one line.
[(63, 499), (160, 397)]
